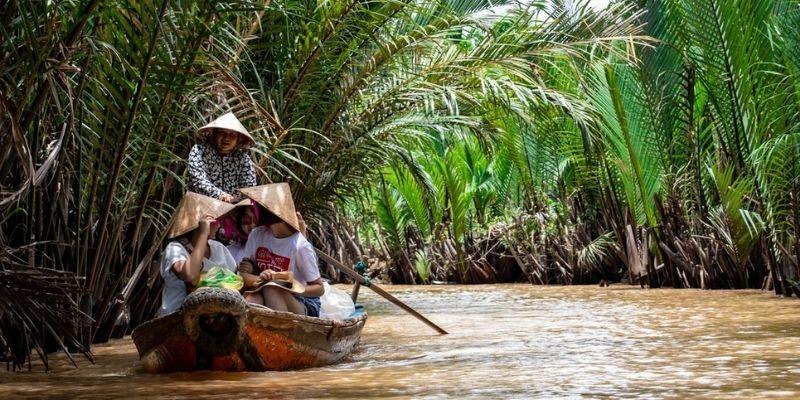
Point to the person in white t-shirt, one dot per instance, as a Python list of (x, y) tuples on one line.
[(192, 251), (277, 246)]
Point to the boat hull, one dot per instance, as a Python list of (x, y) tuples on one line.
[(270, 341)]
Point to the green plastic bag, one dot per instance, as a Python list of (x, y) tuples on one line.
[(221, 278)]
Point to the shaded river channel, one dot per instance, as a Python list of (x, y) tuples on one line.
[(506, 341)]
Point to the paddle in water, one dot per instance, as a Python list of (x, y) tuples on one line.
[(360, 279)]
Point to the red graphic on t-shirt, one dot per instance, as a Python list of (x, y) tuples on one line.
[(266, 259)]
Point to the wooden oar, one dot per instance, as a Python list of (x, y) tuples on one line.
[(360, 279)]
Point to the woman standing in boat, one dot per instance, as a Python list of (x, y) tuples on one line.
[(192, 251), (219, 164), (278, 246)]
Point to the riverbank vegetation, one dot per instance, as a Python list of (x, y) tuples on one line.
[(462, 141), (674, 166)]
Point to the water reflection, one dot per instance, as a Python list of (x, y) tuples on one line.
[(509, 341)]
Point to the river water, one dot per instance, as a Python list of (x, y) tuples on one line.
[(505, 341)]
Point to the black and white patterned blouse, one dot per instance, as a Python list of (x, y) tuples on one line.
[(214, 174)]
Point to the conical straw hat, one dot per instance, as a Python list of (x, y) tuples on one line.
[(192, 208), (231, 123), (277, 198), (242, 203)]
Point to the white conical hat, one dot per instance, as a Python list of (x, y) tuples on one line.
[(194, 206), (228, 122), (277, 198)]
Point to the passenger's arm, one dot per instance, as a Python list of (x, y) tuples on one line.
[(250, 280), (246, 271), (314, 288), (190, 269), (306, 264)]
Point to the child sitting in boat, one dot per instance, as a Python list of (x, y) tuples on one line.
[(219, 163), (277, 246), (236, 227), (192, 251)]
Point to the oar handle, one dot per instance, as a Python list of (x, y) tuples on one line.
[(354, 294), (360, 279)]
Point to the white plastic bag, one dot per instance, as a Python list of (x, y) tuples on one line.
[(336, 304)]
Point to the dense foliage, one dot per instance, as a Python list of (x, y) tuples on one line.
[(676, 166)]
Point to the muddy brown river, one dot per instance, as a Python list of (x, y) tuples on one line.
[(506, 341)]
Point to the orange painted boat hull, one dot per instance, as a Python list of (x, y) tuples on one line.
[(270, 341)]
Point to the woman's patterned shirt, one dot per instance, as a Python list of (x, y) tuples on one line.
[(213, 174)]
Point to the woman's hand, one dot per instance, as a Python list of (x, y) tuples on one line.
[(205, 225), (267, 275), (227, 198), (246, 266)]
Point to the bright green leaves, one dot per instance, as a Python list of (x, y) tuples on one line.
[(726, 41), (628, 136), (777, 167), (415, 199), (389, 208), (737, 228)]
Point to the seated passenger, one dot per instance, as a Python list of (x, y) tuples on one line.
[(219, 163), (236, 227), (192, 251), (277, 245)]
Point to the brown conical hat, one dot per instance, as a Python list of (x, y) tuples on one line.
[(228, 122), (277, 198), (242, 203), (194, 206)]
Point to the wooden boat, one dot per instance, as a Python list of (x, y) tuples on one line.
[(216, 329)]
